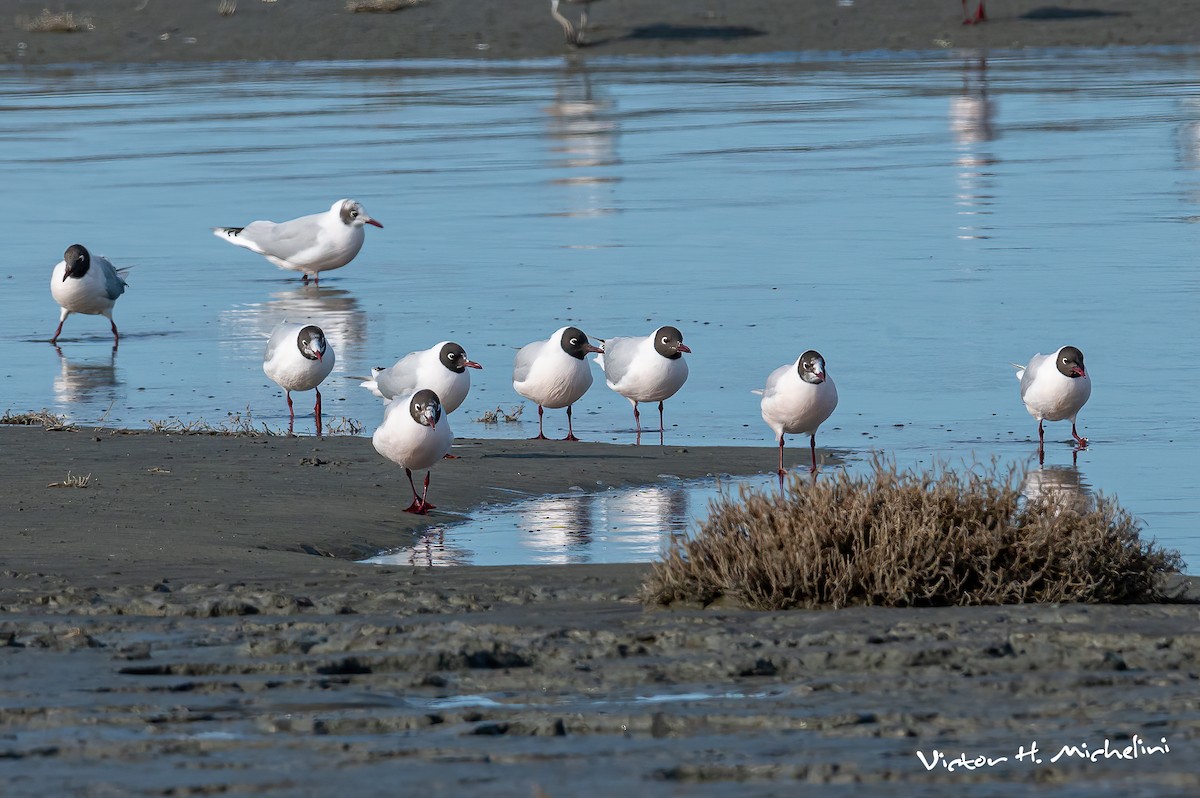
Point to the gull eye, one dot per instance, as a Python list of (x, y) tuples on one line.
[(574, 342), (353, 214), (664, 340)]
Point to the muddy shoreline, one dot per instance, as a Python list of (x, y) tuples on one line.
[(156, 31), (188, 624)]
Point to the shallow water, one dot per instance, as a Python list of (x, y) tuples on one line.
[(922, 220)]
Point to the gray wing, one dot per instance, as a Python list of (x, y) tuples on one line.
[(400, 378), (1031, 371), (114, 286), (619, 354), (278, 336), (284, 240), (775, 377), (524, 360)]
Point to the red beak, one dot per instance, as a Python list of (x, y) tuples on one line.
[(1078, 372), (318, 354), (683, 348), (377, 224), (471, 364), (590, 348)]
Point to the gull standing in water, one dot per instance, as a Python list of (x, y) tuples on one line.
[(414, 434), (553, 373), (310, 244), (298, 358), (799, 397), (649, 369), (88, 284), (1055, 388)]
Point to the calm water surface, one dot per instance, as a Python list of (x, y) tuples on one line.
[(923, 221)]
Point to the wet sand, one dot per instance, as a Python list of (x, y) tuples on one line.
[(189, 623), (126, 31)]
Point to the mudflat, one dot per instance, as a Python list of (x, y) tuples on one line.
[(155, 31), (192, 622)]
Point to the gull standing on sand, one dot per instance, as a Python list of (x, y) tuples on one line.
[(574, 36), (83, 283), (799, 397), (298, 358), (554, 373), (442, 368), (414, 434), (649, 369), (310, 244), (1055, 388)]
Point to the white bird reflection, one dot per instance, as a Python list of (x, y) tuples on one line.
[(93, 380), (1063, 486), (334, 310), (972, 115), (583, 135), (429, 550), (557, 529)]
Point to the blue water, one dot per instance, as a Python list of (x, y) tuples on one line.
[(922, 220)]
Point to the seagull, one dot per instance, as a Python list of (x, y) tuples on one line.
[(798, 398), (310, 244), (1053, 388), (554, 373), (574, 37), (650, 369), (79, 288), (414, 434), (980, 15), (298, 358), (442, 368)]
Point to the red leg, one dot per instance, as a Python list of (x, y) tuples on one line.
[(1082, 442), (317, 412), (448, 456), (425, 505), (541, 436), (570, 429), (57, 332), (291, 412), (415, 507), (780, 470), (637, 418), (980, 14), (661, 426), (116, 335), (812, 443)]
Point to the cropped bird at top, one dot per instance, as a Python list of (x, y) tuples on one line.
[(574, 35), (1055, 388), (798, 398), (443, 368), (415, 433), (298, 358), (645, 369), (554, 373), (87, 284), (309, 244)]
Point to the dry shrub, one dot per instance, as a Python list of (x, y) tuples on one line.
[(903, 539), (55, 22), (43, 418)]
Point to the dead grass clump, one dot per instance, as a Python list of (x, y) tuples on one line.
[(496, 416), (380, 6), (55, 22), (72, 481), (910, 539), (235, 425), (42, 418)]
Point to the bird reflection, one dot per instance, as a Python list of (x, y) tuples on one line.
[(972, 113), (1062, 486), (583, 136), (93, 380), (642, 520), (430, 550), (334, 310), (558, 528)]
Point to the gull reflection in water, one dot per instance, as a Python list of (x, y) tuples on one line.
[(583, 136), (334, 310), (972, 114), (429, 550), (93, 380), (641, 521), (1063, 486), (558, 529)]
